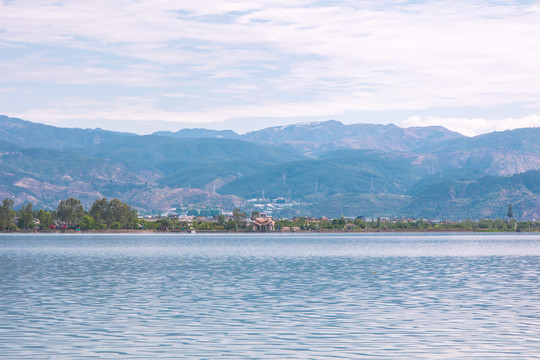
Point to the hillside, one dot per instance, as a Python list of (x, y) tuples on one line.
[(156, 156), (200, 133), (317, 138), (28, 134), (498, 153), (486, 197), (45, 176), (325, 168), (327, 136), (351, 172)]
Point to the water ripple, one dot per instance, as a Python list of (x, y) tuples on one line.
[(274, 297)]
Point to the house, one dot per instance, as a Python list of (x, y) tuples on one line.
[(263, 223)]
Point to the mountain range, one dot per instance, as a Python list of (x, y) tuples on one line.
[(322, 169)]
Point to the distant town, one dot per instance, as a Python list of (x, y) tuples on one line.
[(114, 215)]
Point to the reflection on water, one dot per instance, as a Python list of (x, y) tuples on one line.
[(267, 296)]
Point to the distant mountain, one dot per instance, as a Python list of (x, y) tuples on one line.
[(325, 168), (200, 133), (498, 153), (352, 172), (29, 134), (320, 137), (486, 197), (523, 140), (211, 175), (445, 177), (317, 138), (44, 176), (163, 156)]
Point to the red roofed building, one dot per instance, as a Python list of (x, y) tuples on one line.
[(263, 223)]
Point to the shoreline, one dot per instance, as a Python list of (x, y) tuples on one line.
[(370, 231)]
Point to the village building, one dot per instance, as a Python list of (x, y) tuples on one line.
[(263, 223)]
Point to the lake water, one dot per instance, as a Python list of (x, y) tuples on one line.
[(339, 296)]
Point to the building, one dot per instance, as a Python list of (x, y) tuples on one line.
[(263, 223)]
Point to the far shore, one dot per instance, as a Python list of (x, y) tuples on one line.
[(366, 231)]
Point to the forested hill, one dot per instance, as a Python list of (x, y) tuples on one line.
[(29, 134), (325, 168), (316, 138)]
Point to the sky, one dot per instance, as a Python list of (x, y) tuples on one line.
[(143, 66)]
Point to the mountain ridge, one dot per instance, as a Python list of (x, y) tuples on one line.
[(326, 168), (29, 134)]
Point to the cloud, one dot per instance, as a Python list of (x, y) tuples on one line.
[(475, 126), (146, 108), (263, 58), (11, 90)]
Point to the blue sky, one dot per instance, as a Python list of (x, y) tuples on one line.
[(142, 66)]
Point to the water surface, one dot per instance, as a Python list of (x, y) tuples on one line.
[(343, 296)]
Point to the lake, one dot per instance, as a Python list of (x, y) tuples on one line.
[(270, 296)]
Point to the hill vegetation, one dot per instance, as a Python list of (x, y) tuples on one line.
[(321, 169)]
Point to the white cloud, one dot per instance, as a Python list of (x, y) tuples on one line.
[(140, 108), (263, 58), (11, 90)]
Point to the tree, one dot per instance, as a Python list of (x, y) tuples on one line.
[(121, 213), (45, 219), (239, 218), (255, 214), (114, 212), (70, 211), (221, 219), (99, 211), (510, 213), (87, 222), (26, 217), (7, 215)]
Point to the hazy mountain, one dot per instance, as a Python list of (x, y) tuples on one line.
[(29, 134), (445, 177), (316, 138), (359, 169), (349, 172), (200, 133), (320, 137), (44, 176), (156, 156), (211, 176), (486, 197), (498, 153), (524, 140)]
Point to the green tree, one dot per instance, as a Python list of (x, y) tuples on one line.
[(7, 215), (26, 217), (360, 223), (45, 219), (70, 211), (221, 219), (255, 214), (99, 211), (88, 222), (239, 218), (121, 213), (230, 225), (509, 212), (114, 212)]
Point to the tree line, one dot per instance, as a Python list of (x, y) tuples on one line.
[(114, 214), (378, 224), (69, 214)]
